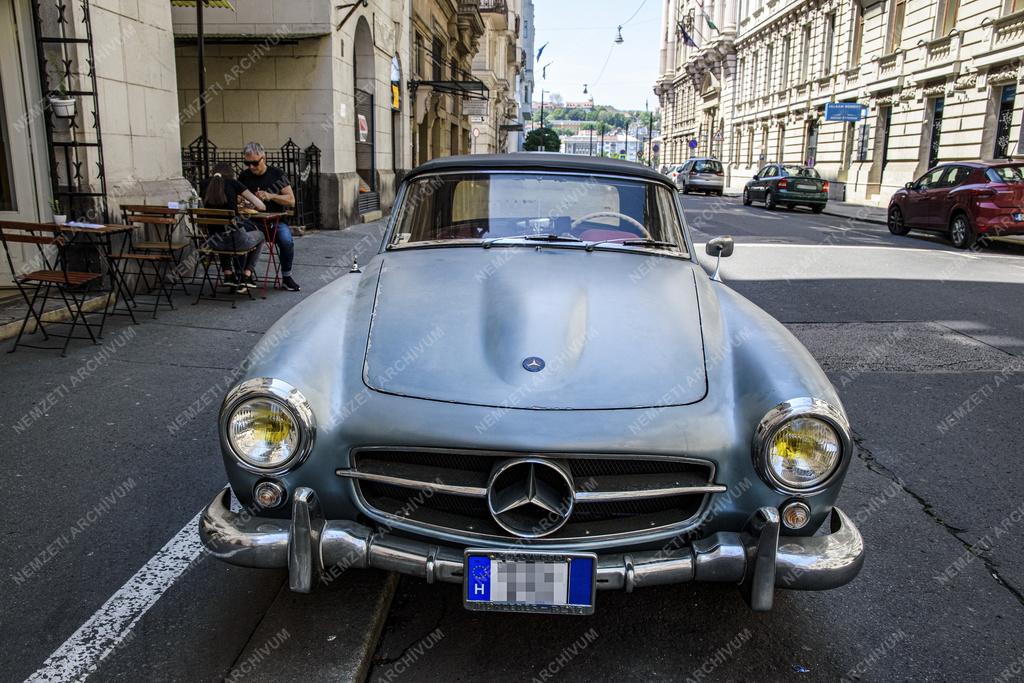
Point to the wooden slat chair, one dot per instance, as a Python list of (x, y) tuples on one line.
[(164, 222), (52, 273), (205, 222)]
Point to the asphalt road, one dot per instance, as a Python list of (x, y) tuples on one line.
[(924, 342)]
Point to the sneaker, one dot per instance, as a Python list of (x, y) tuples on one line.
[(231, 280), (249, 281), (290, 284), (239, 289)]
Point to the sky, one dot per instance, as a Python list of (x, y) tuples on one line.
[(581, 35)]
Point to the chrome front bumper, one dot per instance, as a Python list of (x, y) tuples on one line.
[(756, 559)]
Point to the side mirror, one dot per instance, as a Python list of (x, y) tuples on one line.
[(756, 177), (911, 186), (719, 247)]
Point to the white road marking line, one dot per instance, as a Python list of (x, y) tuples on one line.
[(81, 654)]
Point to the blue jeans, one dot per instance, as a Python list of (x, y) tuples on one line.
[(285, 248)]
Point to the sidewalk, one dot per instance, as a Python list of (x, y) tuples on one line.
[(857, 212), (129, 428)]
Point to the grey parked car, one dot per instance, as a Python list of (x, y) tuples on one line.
[(701, 175), (535, 390)]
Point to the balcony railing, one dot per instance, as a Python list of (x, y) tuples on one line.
[(1008, 30), (493, 6)]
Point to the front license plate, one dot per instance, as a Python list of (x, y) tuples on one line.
[(529, 581), (1019, 217)]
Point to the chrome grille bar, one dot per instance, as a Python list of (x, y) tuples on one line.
[(455, 482), (591, 489)]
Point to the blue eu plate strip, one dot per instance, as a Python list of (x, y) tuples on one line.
[(479, 578), (581, 572)]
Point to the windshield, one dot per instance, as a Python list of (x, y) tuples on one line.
[(801, 171), (1006, 174), (526, 207), (707, 166)]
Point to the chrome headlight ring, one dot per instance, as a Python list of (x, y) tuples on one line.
[(289, 398), (777, 417)]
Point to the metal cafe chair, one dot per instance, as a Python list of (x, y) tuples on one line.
[(52, 274), (154, 259), (164, 222), (206, 222)]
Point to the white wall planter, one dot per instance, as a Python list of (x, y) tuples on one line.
[(63, 107)]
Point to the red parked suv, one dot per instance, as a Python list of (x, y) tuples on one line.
[(967, 200)]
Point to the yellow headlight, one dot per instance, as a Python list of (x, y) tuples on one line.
[(803, 452), (263, 433)]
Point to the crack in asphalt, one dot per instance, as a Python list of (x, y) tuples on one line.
[(379, 661), (973, 338), (874, 465)]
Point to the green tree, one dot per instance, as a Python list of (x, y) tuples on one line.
[(542, 139)]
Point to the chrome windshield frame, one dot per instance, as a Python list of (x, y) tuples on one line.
[(685, 249)]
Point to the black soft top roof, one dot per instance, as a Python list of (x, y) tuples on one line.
[(538, 161)]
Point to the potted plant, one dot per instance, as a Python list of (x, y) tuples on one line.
[(58, 217), (62, 104)]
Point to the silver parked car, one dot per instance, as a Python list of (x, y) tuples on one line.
[(534, 390), (701, 175)]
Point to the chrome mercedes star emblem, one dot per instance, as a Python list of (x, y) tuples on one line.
[(533, 364), (530, 497)]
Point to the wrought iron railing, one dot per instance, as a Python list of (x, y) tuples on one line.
[(300, 166)]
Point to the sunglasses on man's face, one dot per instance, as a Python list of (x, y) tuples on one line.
[(253, 163)]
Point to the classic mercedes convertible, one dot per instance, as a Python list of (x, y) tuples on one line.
[(535, 390)]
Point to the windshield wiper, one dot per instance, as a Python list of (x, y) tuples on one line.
[(638, 242), (534, 237)]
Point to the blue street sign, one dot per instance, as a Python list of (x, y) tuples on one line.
[(692, 143), (845, 111)]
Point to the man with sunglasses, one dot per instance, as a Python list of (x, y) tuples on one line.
[(270, 184)]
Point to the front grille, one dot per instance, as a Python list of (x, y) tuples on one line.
[(409, 484)]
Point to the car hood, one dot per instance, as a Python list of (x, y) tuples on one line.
[(612, 330)]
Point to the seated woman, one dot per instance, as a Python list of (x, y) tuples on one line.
[(222, 191)]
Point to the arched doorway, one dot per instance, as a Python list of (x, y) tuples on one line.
[(365, 125)]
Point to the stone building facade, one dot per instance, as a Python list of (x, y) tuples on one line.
[(446, 36), (938, 81), (312, 73), (500, 64), (132, 157)]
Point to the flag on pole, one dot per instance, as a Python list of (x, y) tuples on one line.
[(686, 36), (707, 18), (541, 50)]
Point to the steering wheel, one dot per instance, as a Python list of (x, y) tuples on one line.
[(613, 214)]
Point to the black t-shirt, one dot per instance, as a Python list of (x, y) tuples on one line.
[(232, 189), (273, 181)]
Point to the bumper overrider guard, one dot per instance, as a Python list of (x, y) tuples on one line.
[(756, 559)]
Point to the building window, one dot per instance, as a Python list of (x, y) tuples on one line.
[(750, 148), (948, 10), (938, 104), (857, 35), (768, 63), (755, 76), (741, 96), (830, 39), (787, 46), (1005, 121), (417, 58), (437, 58), (811, 144), (1016, 5), (885, 120), (805, 48), (781, 151), (896, 16)]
